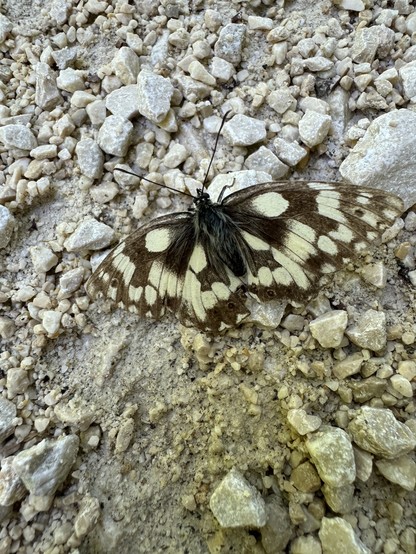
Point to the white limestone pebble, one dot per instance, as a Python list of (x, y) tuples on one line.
[(402, 385), (332, 454), (7, 327), (314, 127), (290, 153), (376, 430), (124, 101), (45, 466), (230, 43), (47, 95), (115, 135), (263, 159), (369, 331), (176, 155), (7, 416), (337, 536), (281, 100), (51, 321), (257, 23), (87, 516), (242, 130), (44, 152), (71, 80), (328, 329), (6, 26), (302, 422), (70, 282), (221, 69), (198, 71), (90, 235), (126, 65), (11, 487), (43, 258), (401, 471), (351, 5), (18, 136), (155, 94), (318, 63), (408, 76), (90, 158), (17, 382), (236, 503), (6, 226)]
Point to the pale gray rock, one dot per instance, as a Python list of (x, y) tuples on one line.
[(408, 76), (281, 101), (339, 499), (221, 69), (331, 452), (7, 327), (350, 5), (155, 94), (6, 226), (376, 430), (242, 130), (124, 102), (70, 281), (17, 136), (43, 258), (198, 72), (11, 487), (17, 382), (59, 11), (307, 544), (126, 65), (176, 155), (44, 152), (45, 466), (314, 127), (160, 49), (115, 135), (363, 464), (276, 534), (90, 235), (369, 331), (263, 159), (191, 89), (348, 366), (234, 181), (71, 80), (236, 503), (87, 516), (376, 274), (97, 112), (257, 23), (289, 152), (337, 537), (47, 95), (328, 329), (402, 385), (370, 41), (401, 471), (90, 158), (385, 157), (317, 64), (230, 43), (51, 322), (7, 416), (302, 422), (6, 27)]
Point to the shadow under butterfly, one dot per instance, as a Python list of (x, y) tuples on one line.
[(270, 241)]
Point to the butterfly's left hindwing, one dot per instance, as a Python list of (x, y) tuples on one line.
[(273, 240)]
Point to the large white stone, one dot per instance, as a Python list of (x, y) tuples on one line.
[(385, 157)]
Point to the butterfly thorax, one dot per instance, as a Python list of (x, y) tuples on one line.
[(218, 234)]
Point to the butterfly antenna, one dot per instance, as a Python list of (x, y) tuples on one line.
[(152, 182), (224, 118)]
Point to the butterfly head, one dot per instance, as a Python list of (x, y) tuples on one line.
[(202, 198)]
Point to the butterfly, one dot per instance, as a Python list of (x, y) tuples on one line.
[(270, 241)]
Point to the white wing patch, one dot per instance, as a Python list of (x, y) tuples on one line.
[(270, 204), (158, 240)]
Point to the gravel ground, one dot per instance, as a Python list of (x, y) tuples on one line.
[(294, 433)]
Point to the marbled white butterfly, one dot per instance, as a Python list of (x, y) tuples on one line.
[(272, 240)]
